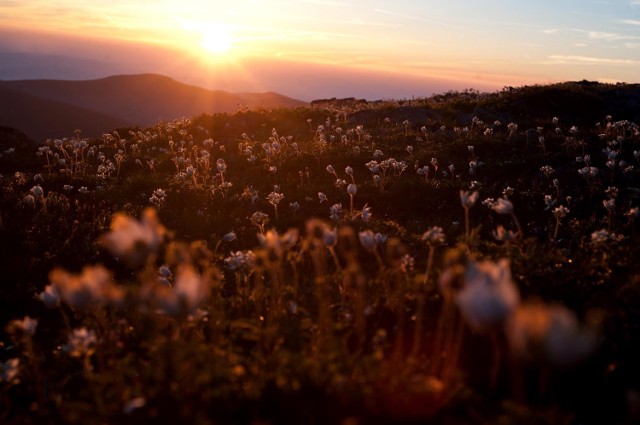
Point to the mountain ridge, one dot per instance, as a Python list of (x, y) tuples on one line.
[(41, 119), (127, 100)]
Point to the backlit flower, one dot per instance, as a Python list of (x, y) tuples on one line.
[(81, 341), (435, 235), (50, 296), (502, 206), (368, 240), (9, 370), (93, 286), (551, 333), (25, 326), (503, 235), (134, 240), (468, 200), (488, 295)]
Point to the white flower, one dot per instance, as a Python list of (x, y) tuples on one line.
[(229, 237), (368, 240), (9, 370), (27, 325), (81, 341), (190, 287), (609, 204), (561, 211), (468, 200), (489, 295), (240, 260), (165, 271), (366, 213), (330, 237), (50, 296), (334, 212), (503, 235), (134, 240), (435, 235), (380, 238), (133, 404), (93, 286), (352, 189), (633, 212), (274, 198), (37, 192), (553, 332), (322, 197), (603, 235), (502, 206)]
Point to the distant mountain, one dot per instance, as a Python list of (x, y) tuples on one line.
[(42, 119), (146, 98)]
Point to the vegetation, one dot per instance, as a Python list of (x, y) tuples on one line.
[(461, 258)]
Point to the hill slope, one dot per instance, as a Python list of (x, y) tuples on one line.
[(41, 119), (147, 98)]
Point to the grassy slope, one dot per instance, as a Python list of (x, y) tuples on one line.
[(147, 98)]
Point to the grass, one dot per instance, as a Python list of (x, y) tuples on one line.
[(183, 307)]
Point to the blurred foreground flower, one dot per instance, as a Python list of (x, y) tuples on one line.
[(81, 341), (549, 333), (94, 286), (50, 296), (467, 199), (488, 295), (9, 370), (134, 240), (26, 326), (189, 291)]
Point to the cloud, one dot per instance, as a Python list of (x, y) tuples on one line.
[(325, 2), (550, 31), (630, 21), (609, 36), (605, 36), (591, 60), (413, 18)]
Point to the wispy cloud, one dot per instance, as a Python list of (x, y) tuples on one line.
[(325, 3), (550, 31), (630, 21), (410, 17), (609, 36), (605, 35), (591, 60), (347, 22)]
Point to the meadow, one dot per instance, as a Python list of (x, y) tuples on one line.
[(459, 258)]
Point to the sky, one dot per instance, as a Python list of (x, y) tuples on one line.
[(325, 48)]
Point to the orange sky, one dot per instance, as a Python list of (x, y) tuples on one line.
[(464, 43)]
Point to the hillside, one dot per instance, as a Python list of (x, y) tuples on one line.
[(146, 99), (463, 258), (41, 119)]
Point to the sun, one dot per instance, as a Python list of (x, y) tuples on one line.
[(216, 38)]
